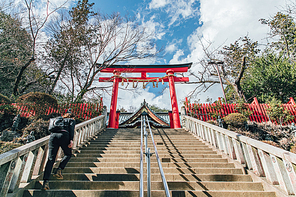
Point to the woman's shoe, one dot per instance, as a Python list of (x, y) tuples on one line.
[(58, 174), (45, 185)]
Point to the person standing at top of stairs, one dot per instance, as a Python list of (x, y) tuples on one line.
[(59, 138)]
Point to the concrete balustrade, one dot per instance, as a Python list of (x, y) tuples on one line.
[(26, 163), (277, 165)]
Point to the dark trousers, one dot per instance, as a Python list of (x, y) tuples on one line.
[(57, 140)]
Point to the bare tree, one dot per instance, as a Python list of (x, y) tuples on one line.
[(88, 42), (232, 60), (35, 24), (119, 40)]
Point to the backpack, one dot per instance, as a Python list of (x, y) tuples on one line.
[(56, 124)]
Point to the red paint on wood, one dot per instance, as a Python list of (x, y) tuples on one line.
[(174, 102), (112, 115), (151, 79), (171, 120)]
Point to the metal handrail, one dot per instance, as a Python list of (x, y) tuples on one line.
[(165, 184), (141, 163)]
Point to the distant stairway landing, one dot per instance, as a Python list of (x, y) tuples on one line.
[(110, 164)]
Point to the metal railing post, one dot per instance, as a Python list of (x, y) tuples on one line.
[(141, 163), (148, 160), (146, 138), (148, 154), (165, 184)]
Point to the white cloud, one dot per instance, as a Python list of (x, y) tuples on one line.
[(128, 99), (177, 9), (173, 46), (176, 57), (153, 28), (154, 4), (170, 48), (223, 22), (226, 21), (182, 9)]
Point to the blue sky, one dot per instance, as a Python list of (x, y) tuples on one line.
[(173, 28), (174, 34), (180, 25)]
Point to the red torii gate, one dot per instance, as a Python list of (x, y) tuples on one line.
[(144, 69)]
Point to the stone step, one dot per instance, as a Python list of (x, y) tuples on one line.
[(137, 151), (171, 170), (155, 185), (155, 177), (127, 146), (153, 159), (137, 138), (167, 155), (133, 193), (132, 149), (137, 143), (108, 165), (154, 164), (176, 147)]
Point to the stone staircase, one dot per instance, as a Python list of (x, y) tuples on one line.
[(110, 164)]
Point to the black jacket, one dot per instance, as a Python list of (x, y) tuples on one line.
[(70, 126)]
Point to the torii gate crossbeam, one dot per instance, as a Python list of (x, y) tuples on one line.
[(144, 69)]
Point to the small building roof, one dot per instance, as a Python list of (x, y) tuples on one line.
[(134, 119)]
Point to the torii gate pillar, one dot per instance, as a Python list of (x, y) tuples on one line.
[(175, 110), (112, 115)]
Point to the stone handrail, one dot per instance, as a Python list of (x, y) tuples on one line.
[(264, 160), (26, 163)]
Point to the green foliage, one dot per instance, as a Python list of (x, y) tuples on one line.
[(157, 109), (7, 146), (81, 13), (196, 110), (233, 54), (277, 112), (66, 48), (15, 50), (271, 143), (271, 75), (243, 108), (38, 98), (231, 94), (236, 59), (122, 109), (38, 102), (217, 110), (235, 119), (40, 128), (212, 122), (4, 99), (293, 149), (16, 62), (6, 118), (8, 109), (283, 25)]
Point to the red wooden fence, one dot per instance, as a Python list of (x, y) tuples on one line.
[(85, 111), (259, 111)]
